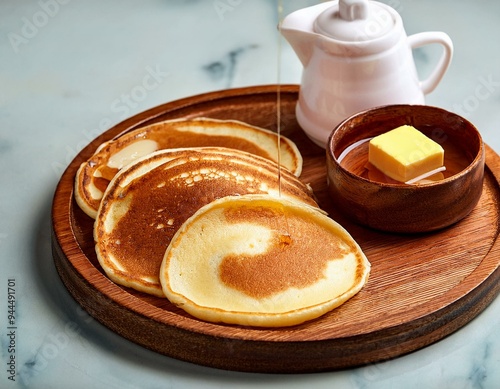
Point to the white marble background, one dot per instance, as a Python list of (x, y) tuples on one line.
[(71, 69)]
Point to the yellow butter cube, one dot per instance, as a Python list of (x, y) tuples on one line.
[(405, 153)]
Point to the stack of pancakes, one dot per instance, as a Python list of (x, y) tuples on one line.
[(212, 228)]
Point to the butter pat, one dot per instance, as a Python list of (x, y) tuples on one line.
[(405, 153)]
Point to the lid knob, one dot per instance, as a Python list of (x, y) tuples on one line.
[(353, 9), (355, 20)]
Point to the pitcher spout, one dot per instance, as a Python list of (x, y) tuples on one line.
[(298, 30)]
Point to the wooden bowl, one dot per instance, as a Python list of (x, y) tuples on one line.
[(398, 207)]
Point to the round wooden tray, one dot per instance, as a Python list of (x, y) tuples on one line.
[(421, 288)]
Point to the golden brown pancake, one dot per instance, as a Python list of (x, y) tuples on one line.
[(258, 260), (147, 201), (94, 175)]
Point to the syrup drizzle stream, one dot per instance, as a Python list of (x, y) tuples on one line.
[(278, 91), (284, 236)]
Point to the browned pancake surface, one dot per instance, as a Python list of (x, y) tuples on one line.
[(298, 258), (158, 202)]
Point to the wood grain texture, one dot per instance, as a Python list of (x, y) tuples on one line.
[(422, 287)]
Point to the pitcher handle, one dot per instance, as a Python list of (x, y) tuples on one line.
[(425, 38)]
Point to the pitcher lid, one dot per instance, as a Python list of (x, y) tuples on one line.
[(354, 21)]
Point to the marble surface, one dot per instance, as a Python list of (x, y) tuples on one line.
[(71, 69)]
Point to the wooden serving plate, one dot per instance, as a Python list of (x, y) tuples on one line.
[(421, 288)]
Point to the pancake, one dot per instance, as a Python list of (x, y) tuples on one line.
[(260, 261), (94, 175), (147, 201)]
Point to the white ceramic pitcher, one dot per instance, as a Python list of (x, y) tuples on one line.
[(356, 55)]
